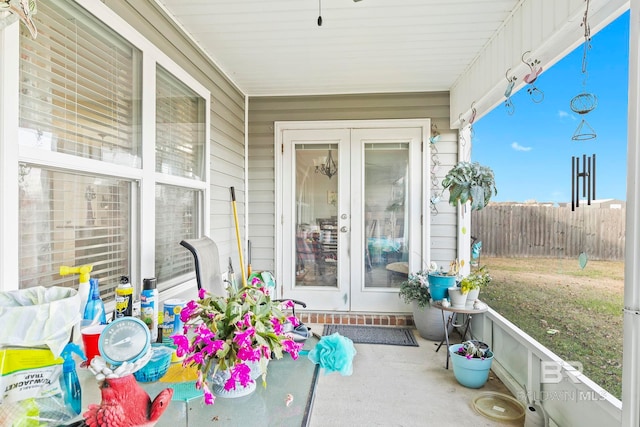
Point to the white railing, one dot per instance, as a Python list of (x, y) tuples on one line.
[(534, 373)]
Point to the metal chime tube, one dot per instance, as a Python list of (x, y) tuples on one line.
[(573, 183)]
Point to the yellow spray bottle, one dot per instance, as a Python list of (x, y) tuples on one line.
[(84, 286)]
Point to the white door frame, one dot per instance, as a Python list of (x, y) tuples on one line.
[(415, 263)]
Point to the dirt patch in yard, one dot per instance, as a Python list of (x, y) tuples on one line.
[(584, 306)]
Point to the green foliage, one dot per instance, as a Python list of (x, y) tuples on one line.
[(470, 182), (474, 349), (476, 279), (416, 288), (224, 331)]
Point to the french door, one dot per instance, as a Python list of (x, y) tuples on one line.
[(352, 206)]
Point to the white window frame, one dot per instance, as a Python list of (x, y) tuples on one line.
[(143, 231)]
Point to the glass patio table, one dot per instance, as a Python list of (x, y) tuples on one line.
[(264, 407)]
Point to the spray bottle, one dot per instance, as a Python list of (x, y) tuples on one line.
[(94, 311), (84, 286), (69, 380)]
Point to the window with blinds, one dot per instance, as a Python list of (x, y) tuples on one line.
[(180, 120), (80, 98), (177, 218), (180, 145), (73, 219), (80, 95), (79, 85)]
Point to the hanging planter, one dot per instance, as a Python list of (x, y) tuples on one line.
[(470, 182)]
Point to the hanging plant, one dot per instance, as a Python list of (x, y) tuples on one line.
[(470, 182)]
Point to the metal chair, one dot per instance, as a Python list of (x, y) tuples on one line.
[(209, 277), (207, 264)]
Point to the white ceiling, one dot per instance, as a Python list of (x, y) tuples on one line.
[(275, 47)]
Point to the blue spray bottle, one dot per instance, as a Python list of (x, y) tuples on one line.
[(94, 311), (69, 380)]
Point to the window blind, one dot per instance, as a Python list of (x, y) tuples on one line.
[(79, 83), (180, 120), (72, 219), (177, 218)]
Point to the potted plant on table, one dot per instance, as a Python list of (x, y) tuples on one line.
[(475, 281), (428, 320), (471, 363), (230, 339), (473, 182)]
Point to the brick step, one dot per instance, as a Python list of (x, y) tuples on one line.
[(343, 318)]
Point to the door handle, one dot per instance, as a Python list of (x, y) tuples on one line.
[(344, 229)]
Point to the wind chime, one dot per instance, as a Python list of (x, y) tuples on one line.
[(435, 163), (583, 178), (535, 69), (511, 82), (583, 103)]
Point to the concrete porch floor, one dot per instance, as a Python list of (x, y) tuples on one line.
[(398, 386)]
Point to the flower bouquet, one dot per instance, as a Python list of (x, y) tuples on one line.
[(231, 333)]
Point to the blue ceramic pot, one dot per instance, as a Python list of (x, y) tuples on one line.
[(439, 285)]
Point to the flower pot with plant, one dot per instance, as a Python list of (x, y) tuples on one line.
[(472, 182), (471, 363), (475, 281), (230, 335), (428, 321)]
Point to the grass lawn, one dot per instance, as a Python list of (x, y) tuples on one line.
[(540, 295)]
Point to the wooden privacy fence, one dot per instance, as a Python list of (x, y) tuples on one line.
[(514, 230)]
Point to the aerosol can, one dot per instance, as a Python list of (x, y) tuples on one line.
[(124, 298), (149, 306)]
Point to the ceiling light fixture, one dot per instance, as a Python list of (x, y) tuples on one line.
[(327, 166)]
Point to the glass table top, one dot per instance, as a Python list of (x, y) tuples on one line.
[(264, 407)]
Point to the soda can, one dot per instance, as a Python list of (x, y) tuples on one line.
[(124, 298), (171, 323)]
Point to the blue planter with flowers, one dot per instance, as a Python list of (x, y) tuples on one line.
[(470, 368)]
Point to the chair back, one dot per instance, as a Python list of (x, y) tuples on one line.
[(207, 264)]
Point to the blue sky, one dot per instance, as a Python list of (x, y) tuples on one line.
[(530, 151)]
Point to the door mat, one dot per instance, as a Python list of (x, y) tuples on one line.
[(374, 334)]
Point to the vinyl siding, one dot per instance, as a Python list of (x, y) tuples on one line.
[(264, 111), (227, 117)]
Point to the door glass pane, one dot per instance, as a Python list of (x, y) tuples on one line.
[(316, 214), (386, 212)]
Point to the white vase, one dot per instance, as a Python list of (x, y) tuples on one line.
[(472, 296), (458, 299), (218, 380)]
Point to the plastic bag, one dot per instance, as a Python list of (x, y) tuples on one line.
[(37, 325), (31, 392), (38, 316)]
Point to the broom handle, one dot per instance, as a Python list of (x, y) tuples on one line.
[(235, 217)]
